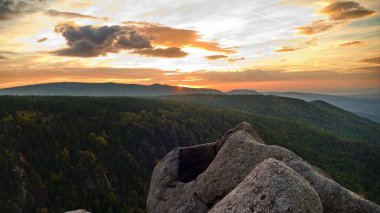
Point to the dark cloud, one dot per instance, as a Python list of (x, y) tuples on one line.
[(215, 57), (315, 27), (346, 10), (92, 41), (374, 60), (56, 13), (10, 9), (42, 40), (170, 52), (299, 46), (3, 57), (352, 43)]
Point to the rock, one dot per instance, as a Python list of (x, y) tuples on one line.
[(271, 187), (197, 178)]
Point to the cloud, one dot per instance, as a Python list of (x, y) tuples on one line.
[(136, 37), (42, 40), (352, 43), (93, 41), (257, 75), (56, 13), (299, 46), (10, 9), (6, 54), (346, 10), (167, 36), (339, 13), (315, 27), (279, 79), (374, 60), (215, 57), (232, 60), (170, 52)]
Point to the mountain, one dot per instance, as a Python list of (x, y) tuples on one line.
[(318, 114), (98, 153), (361, 105), (240, 173), (243, 92), (365, 106), (102, 89)]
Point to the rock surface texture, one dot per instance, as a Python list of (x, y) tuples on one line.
[(240, 173)]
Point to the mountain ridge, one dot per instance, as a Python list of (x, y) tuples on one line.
[(102, 89), (362, 106)]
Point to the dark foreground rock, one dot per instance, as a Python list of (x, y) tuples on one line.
[(239, 173)]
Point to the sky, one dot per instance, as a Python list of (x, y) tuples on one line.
[(267, 45)]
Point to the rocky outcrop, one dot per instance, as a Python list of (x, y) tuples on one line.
[(240, 173), (272, 186)]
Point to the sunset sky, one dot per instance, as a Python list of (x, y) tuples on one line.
[(303, 45)]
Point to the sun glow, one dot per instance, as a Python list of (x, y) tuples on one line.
[(182, 39)]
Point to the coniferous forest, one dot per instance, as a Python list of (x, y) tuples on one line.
[(65, 153)]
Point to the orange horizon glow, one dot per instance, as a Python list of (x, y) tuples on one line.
[(300, 45)]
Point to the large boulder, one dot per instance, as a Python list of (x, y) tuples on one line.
[(274, 187), (211, 177)]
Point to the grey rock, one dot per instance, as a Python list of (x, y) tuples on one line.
[(194, 179), (271, 186)]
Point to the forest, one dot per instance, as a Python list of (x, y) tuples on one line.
[(97, 153)]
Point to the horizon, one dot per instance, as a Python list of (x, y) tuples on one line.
[(338, 93), (318, 46)]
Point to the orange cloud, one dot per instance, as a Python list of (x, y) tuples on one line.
[(339, 13), (138, 37), (232, 60), (314, 27), (346, 10), (215, 57), (352, 43), (56, 13), (172, 37), (374, 60), (299, 46), (93, 41), (170, 52)]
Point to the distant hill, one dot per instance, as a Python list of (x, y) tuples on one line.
[(361, 105), (367, 107), (243, 92), (103, 89), (318, 114)]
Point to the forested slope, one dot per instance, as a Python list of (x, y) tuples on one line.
[(64, 153), (317, 114)]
